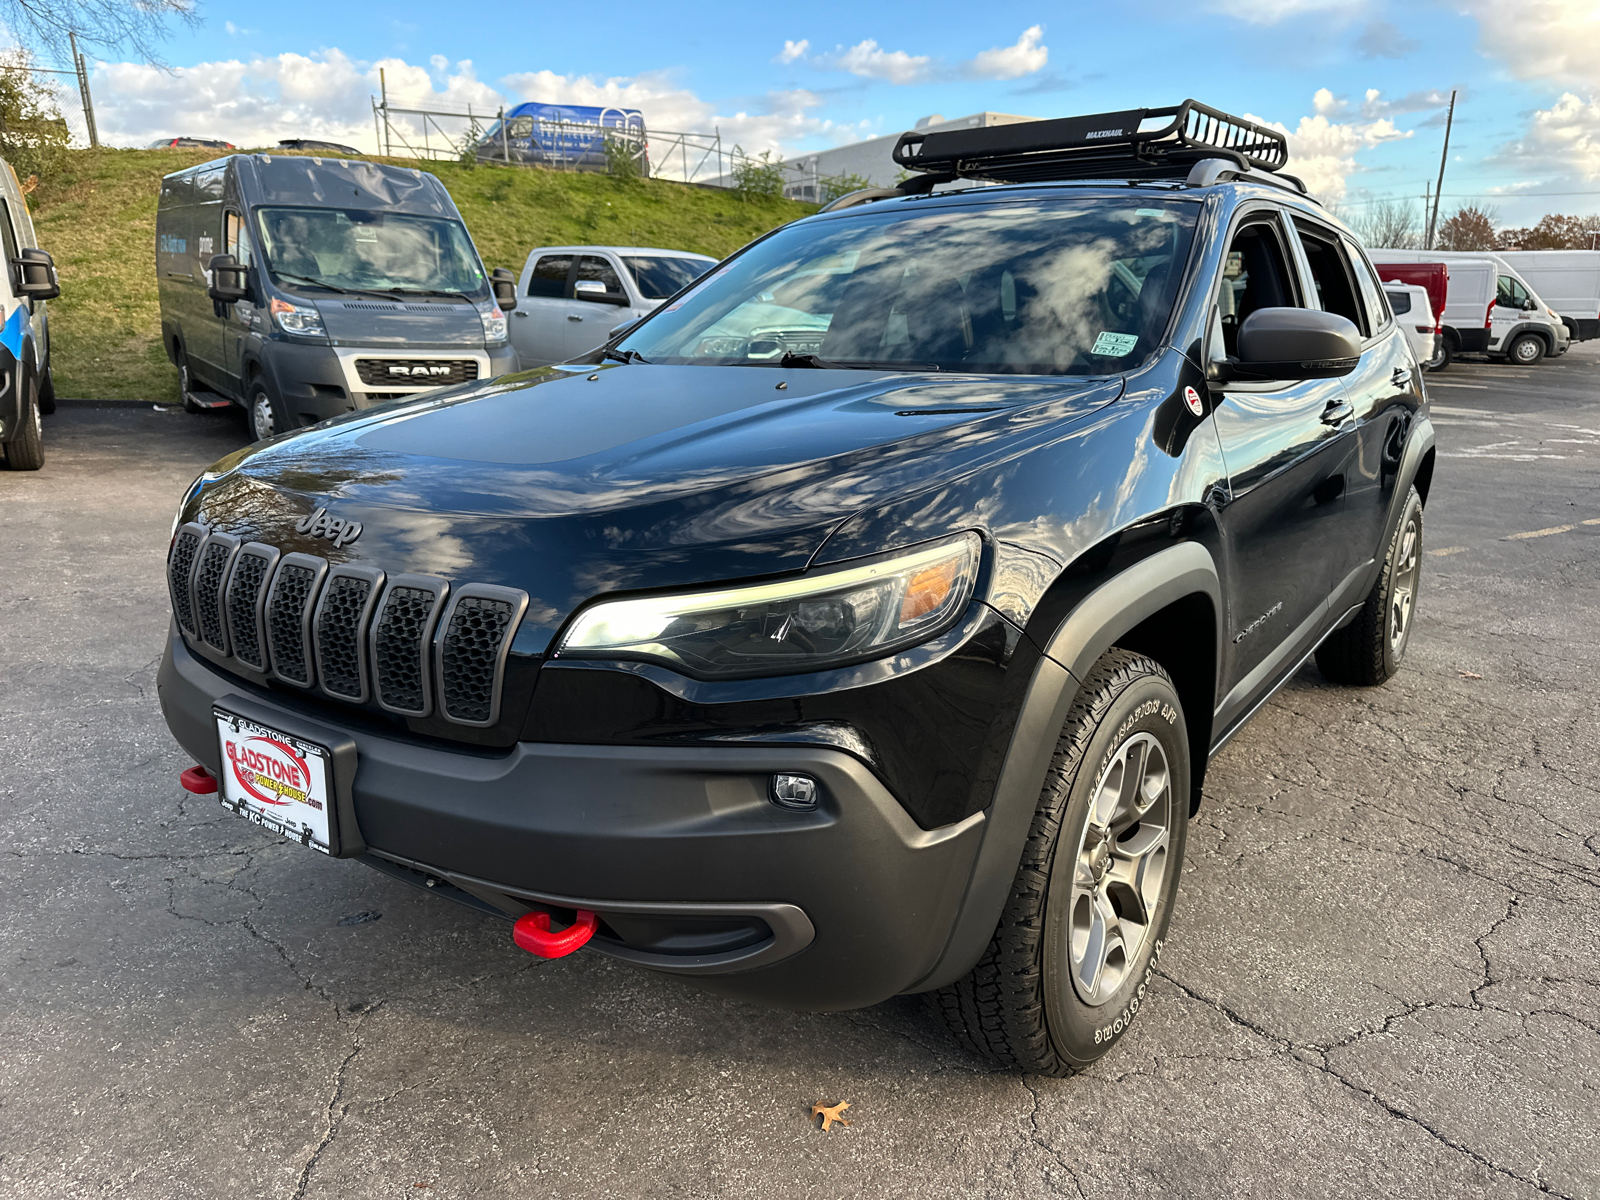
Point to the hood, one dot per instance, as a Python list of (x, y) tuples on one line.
[(370, 321), (567, 485)]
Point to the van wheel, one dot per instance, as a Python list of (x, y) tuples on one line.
[(1526, 350), (1441, 357), (1072, 960), (1370, 649), (264, 413), (25, 452)]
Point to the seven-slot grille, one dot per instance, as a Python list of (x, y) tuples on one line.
[(411, 643), (415, 372)]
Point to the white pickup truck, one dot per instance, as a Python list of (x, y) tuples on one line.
[(570, 298)]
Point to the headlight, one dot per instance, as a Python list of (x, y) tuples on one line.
[(824, 619), (300, 319), (494, 325)]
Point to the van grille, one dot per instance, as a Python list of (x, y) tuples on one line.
[(348, 631), (415, 372)]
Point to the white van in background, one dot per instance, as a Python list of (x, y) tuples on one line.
[(1567, 280), (1491, 309), (1414, 315)]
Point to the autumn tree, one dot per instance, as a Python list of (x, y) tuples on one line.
[(33, 135), (109, 26), (1553, 232), (1470, 227), (1389, 224)]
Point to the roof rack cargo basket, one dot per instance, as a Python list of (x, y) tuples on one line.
[(1105, 145)]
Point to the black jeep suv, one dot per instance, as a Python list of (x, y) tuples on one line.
[(862, 621)]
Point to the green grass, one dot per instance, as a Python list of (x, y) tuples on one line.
[(98, 218)]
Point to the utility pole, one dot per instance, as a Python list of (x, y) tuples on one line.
[(383, 86), (1427, 207), (82, 70), (1444, 157)]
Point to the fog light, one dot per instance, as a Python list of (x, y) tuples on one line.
[(794, 791)]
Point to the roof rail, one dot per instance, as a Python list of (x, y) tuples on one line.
[(1101, 146)]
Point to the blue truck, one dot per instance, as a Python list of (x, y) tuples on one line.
[(572, 136)]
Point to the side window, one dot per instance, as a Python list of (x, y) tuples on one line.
[(234, 239), (1510, 293), (1399, 302), (549, 276), (519, 127), (1330, 275), (9, 235), (592, 269), (1371, 294), (1255, 274)]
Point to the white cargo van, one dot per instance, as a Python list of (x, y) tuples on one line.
[(1568, 281), (1490, 309)]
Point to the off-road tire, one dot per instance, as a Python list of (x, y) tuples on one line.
[(1019, 1006), (1369, 651), (1525, 350), (25, 451)]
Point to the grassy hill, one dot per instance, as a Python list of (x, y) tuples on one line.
[(98, 218)]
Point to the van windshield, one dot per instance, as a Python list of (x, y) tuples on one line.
[(362, 250), (1075, 286)]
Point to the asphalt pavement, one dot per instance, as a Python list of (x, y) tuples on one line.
[(1383, 978)]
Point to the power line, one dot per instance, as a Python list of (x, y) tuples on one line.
[(1462, 196)]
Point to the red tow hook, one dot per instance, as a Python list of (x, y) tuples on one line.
[(199, 781), (532, 933)]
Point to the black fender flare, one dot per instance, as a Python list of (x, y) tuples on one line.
[(1540, 331), (1092, 627)]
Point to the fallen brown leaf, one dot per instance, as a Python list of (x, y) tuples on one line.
[(830, 1114), (1468, 674)]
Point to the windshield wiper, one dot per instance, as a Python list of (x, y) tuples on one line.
[(624, 356), (405, 291), (790, 359), (314, 282)]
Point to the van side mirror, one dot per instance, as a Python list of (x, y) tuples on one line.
[(229, 279), (1530, 305), (1293, 343), (36, 275), (504, 283)]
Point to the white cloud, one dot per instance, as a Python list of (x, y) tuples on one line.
[(1554, 41), (870, 61), (794, 50), (1012, 62), (1562, 142), (1323, 152)]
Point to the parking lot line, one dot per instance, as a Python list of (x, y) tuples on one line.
[(1533, 533), (1481, 387), (1444, 550)]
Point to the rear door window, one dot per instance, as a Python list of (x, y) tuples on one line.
[(549, 276), (1400, 302), (1331, 278), (1372, 298)]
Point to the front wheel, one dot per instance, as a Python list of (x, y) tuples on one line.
[(1370, 649), (265, 414), (1072, 959), (1526, 350), (25, 451)]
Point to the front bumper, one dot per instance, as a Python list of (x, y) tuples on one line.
[(690, 866)]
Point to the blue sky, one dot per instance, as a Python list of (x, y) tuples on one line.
[(1358, 85)]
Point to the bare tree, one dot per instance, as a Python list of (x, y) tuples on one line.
[(1390, 224), (1470, 227), (133, 27)]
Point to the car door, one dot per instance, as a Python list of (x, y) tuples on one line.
[(238, 317), (203, 340), (1284, 444), (1511, 306), (1384, 391), (538, 323), (599, 304)]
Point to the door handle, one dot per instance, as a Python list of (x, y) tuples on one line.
[(1337, 413), (1401, 377), (574, 317)]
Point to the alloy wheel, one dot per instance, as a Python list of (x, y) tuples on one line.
[(1120, 864), (1403, 594)]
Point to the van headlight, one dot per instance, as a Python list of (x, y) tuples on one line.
[(299, 319), (494, 325), (823, 619)]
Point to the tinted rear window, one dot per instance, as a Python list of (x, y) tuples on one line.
[(1399, 301), (660, 277)]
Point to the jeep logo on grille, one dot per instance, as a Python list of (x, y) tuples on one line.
[(336, 529), (418, 369)]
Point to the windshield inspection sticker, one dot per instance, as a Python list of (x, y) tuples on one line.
[(1114, 345)]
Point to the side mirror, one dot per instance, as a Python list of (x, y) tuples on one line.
[(1294, 343), (36, 275), (1530, 305), (593, 289), (504, 283), (229, 279)]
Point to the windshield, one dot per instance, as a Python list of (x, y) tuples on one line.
[(362, 250), (1061, 287), (660, 277)]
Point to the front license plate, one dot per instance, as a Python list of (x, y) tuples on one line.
[(277, 780)]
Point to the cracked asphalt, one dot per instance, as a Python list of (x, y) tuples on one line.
[(1383, 977)]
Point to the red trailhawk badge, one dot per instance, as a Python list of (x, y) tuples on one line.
[(1192, 399)]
